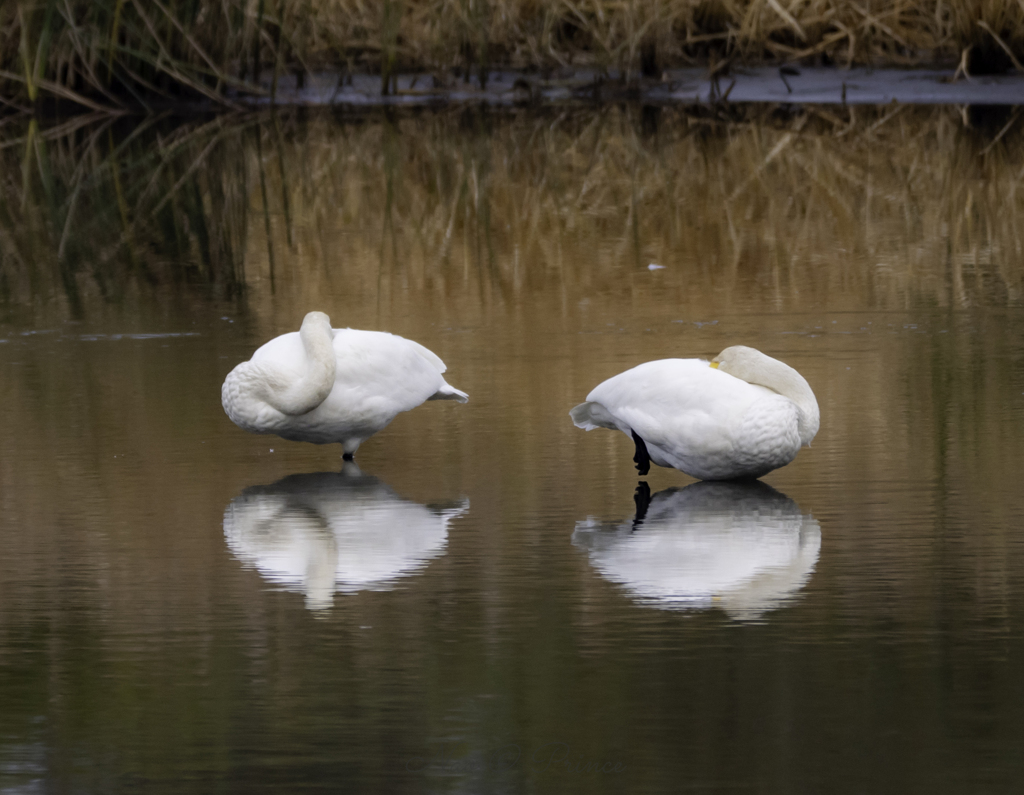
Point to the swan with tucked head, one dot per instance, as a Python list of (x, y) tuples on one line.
[(328, 532), (741, 415), (325, 385), (740, 546)]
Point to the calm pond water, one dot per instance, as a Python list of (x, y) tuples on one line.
[(188, 608)]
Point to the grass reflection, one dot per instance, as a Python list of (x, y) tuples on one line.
[(97, 209), (891, 206)]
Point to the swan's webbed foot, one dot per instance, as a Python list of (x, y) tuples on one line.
[(641, 459), (642, 498), (348, 456)]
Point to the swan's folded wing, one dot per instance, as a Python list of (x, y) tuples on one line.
[(429, 355), (691, 432), (673, 382), (384, 370), (675, 403)]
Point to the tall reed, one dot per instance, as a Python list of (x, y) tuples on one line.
[(117, 53)]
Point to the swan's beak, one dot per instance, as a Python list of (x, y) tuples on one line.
[(714, 365)]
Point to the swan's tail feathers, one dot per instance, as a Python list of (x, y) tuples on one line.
[(448, 392), (592, 415)]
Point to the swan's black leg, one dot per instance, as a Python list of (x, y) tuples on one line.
[(348, 456), (642, 498), (641, 459)]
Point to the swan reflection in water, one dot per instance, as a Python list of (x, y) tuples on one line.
[(335, 531), (741, 546)]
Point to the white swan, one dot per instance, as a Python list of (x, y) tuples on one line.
[(739, 416), (740, 546), (328, 532), (326, 385)]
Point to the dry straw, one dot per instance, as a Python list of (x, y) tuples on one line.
[(116, 53)]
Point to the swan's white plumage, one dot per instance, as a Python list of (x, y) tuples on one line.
[(705, 421), (743, 547), (329, 532), (373, 377)]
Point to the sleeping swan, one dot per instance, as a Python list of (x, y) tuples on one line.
[(739, 416), (328, 532), (740, 546), (326, 385)]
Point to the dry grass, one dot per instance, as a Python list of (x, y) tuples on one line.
[(115, 53)]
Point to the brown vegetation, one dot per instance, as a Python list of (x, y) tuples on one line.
[(117, 53)]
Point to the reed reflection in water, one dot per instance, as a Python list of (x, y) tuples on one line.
[(742, 546), (891, 206), (879, 251), (334, 531)]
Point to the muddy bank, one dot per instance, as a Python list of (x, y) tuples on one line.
[(787, 84)]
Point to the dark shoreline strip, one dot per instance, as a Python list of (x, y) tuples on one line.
[(813, 85)]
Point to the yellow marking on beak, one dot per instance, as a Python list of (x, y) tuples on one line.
[(714, 365)]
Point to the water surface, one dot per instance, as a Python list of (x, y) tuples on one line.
[(185, 607)]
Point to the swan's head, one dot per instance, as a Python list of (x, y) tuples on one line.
[(744, 362), (754, 367)]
